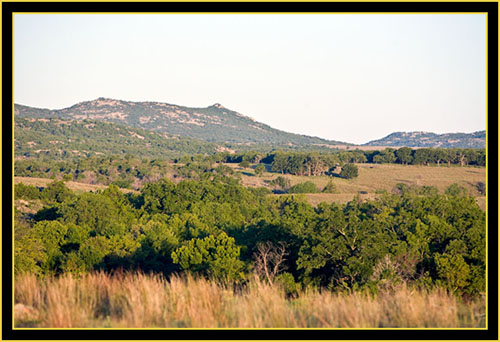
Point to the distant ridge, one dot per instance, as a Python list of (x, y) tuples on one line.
[(214, 123), (427, 139)]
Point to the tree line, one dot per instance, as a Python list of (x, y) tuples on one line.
[(315, 163), (127, 171)]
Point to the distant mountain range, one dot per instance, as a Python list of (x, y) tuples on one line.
[(222, 127), (214, 124), (426, 139)]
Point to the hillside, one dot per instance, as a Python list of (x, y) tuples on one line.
[(66, 138), (426, 139), (214, 123)]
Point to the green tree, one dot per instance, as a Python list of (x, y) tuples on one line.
[(422, 156), (385, 156), (404, 155), (39, 250), (93, 251), (453, 270), (29, 254), (214, 255), (259, 169), (56, 192), (280, 162), (29, 192), (244, 164), (438, 155), (281, 182), (97, 212), (455, 190), (349, 171)]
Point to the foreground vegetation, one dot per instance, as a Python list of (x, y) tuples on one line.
[(151, 301)]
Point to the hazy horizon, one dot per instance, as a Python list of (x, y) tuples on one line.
[(352, 78)]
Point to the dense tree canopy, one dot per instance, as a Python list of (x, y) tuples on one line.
[(214, 227)]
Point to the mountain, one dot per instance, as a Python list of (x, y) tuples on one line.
[(68, 138), (214, 124), (426, 139)]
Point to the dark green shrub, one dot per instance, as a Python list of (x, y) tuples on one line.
[(481, 187), (349, 171), (28, 192), (244, 163), (216, 256), (330, 188), (287, 282), (303, 188), (281, 182), (122, 183), (455, 190), (56, 191), (259, 169)]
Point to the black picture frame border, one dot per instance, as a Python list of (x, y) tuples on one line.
[(8, 333)]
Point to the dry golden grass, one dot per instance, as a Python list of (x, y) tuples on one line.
[(75, 186), (386, 176), (376, 177), (148, 301)]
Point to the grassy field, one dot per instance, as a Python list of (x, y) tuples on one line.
[(373, 177), (148, 301), (75, 186)]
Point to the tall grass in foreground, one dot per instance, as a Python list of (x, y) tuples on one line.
[(149, 301)]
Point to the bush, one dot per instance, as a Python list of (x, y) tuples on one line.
[(244, 163), (349, 171), (481, 187), (287, 282), (259, 169), (214, 255), (56, 192), (122, 183), (281, 182), (330, 188), (68, 177), (303, 188), (260, 192), (455, 190), (26, 192)]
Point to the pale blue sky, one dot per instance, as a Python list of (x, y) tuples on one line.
[(344, 77)]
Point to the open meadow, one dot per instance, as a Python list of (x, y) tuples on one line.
[(374, 178)]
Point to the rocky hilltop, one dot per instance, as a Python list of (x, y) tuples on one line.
[(426, 139), (214, 123)]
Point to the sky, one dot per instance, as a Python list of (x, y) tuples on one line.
[(345, 77)]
